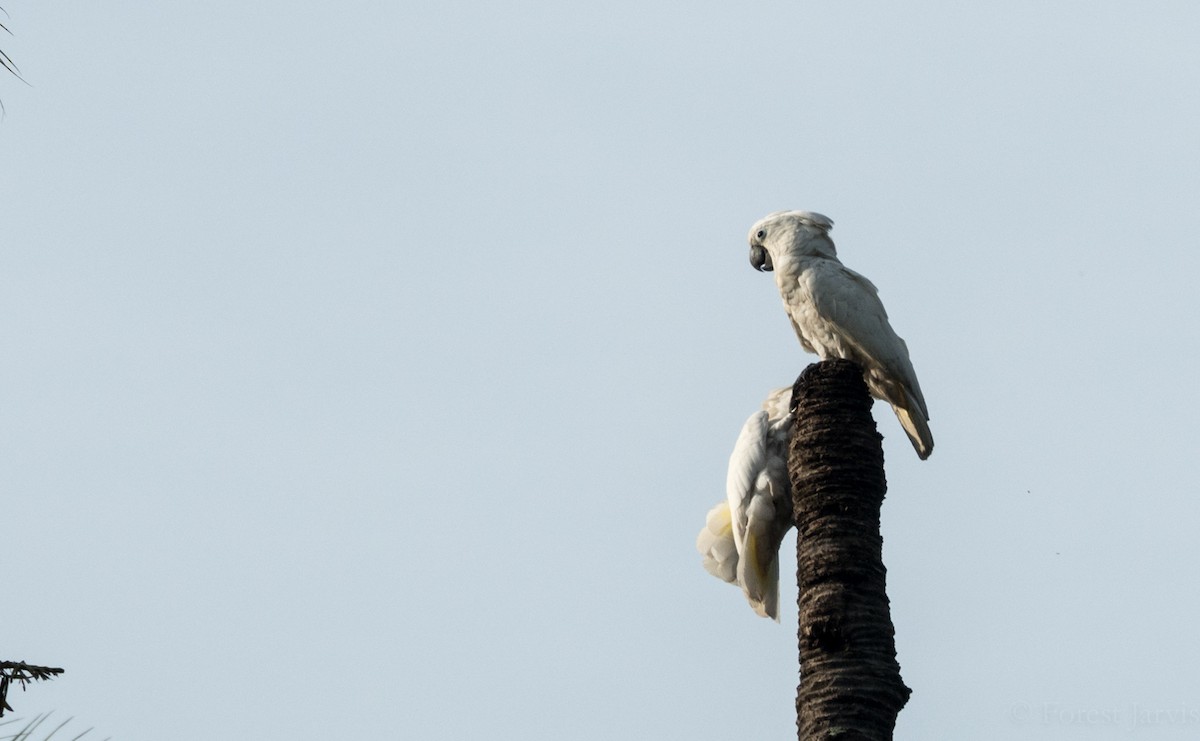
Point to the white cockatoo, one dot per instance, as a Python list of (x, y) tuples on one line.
[(837, 313), (741, 536)]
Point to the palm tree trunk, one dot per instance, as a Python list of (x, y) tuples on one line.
[(850, 685)]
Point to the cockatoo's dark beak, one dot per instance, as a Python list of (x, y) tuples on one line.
[(760, 258)]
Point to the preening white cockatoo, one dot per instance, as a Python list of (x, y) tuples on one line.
[(837, 313), (741, 536)]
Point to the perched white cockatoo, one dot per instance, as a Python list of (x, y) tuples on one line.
[(741, 536), (837, 313)]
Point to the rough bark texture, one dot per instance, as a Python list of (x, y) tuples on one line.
[(850, 686)]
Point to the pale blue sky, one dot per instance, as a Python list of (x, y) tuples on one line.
[(368, 371)]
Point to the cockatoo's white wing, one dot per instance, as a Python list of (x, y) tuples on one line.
[(757, 512), (748, 460), (767, 518), (847, 319)]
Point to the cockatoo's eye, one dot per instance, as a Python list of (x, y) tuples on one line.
[(762, 234)]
